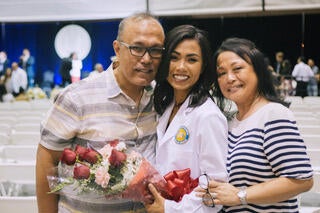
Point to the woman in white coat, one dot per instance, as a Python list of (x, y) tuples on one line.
[(192, 131)]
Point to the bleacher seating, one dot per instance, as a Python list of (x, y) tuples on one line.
[(20, 134)]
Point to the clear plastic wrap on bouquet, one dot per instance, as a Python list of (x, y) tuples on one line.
[(112, 171)]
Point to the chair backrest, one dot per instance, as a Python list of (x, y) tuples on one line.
[(5, 128), (8, 119), (21, 105), (26, 126), (309, 129), (314, 155), (19, 153), (312, 141), (4, 138), (25, 138), (14, 172), (308, 121), (18, 204)]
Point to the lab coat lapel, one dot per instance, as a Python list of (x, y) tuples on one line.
[(174, 125)]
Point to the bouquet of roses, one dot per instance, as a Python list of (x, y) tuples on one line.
[(112, 171)]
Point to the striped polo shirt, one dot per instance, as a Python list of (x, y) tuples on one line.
[(95, 110), (265, 146)]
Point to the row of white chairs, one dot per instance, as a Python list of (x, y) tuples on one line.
[(12, 120), (26, 105), (303, 121), (314, 155), (312, 141), (18, 204), (20, 138), (306, 100), (309, 129), (18, 153), (18, 172)]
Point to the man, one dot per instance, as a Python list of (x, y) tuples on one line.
[(19, 79), (120, 107), (313, 83), (278, 63), (302, 73), (65, 67), (26, 62), (98, 69)]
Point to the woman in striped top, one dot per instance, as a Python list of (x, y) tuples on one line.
[(267, 161)]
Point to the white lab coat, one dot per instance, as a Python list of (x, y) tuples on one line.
[(202, 148)]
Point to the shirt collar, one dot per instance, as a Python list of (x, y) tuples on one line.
[(115, 89)]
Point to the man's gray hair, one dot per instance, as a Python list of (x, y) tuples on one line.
[(134, 18)]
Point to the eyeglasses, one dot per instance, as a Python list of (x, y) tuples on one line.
[(207, 198), (154, 52)]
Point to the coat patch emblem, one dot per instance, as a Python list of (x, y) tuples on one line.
[(182, 135)]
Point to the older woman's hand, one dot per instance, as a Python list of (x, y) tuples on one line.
[(222, 193)]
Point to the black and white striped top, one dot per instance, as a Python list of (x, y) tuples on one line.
[(265, 146)]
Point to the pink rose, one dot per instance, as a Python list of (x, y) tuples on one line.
[(91, 156), (81, 172), (102, 177), (117, 158), (80, 150), (105, 151), (68, 156)]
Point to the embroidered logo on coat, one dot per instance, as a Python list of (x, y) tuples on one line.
[(182, 135)]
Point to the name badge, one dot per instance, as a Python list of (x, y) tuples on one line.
[(182, 135)]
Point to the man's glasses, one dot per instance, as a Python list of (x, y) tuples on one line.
[(207, 198), (154, 52)]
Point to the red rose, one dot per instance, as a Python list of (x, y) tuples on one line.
[(117, 158), (80, 150), (68, 156), (114, 143), (81, 172), (91, 156)]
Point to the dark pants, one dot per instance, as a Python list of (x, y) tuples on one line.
[(301, 89), (21, 91)]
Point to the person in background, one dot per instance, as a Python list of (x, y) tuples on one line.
[(98, 69), (302, 74), (115, 62), (183, 101), (312, 87), (76, 119), (26, 62), (65, 67), (267, 161), (76, 66), (4, 63), (6, 85), (19, 80), (279, 56)]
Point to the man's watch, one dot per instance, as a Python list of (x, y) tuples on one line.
[(242, 195)]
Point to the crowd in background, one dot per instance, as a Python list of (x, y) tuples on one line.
[(16, 77), (302, 79)]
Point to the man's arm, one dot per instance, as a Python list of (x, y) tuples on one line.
[(46, 159)]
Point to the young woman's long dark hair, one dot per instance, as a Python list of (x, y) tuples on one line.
[(248, 51), (163, 94)]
